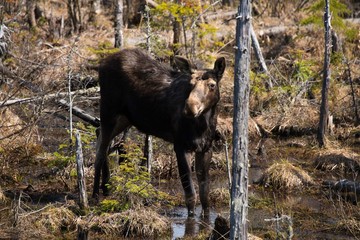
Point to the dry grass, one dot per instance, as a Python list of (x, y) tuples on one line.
[(132, 223), (284, 175), (290, 116), (350, 225), (220, 196), (52, 221), (47, 222), (338, 159)]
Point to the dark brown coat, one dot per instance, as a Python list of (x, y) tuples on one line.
[(178, 106)]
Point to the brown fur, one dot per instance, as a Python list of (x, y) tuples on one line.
[(177, 106)]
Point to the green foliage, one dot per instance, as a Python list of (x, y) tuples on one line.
[(131, 183), (336, 58), (65, 153), (110, 205), (258, 82), (316, 12), (88, 135), (303, 69), (61, 159), (187, 14), (207, 37), (103, 49), (181, 12), (351, 34)]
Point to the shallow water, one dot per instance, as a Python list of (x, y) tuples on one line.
[(184, 226)]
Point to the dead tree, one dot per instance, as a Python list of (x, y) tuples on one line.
[(177, 33), (84, 205), (74, 10), (239, 188), (119, 23), (258, 54), (324, 108)]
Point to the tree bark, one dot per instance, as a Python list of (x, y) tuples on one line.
[(84, 204), (119, 23), (324, 108), (258, 54), (239, 189), (74, 10)]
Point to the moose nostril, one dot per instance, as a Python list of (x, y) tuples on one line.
[(193, 110)]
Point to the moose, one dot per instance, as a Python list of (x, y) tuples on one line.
[(174, 104)]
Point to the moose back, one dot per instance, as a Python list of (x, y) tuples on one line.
[(177, 105)]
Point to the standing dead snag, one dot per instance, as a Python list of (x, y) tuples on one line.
[(239, 188), (177, 106), (80, 173), (324, 108)]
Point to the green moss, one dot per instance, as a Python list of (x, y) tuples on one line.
[(111, 205)]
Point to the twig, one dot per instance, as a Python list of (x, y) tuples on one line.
[(33, 212), (48, 96)]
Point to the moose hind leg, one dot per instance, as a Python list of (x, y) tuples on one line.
[(183, 158), (102, 145), (108, 130), (122, 123), (202, 165)]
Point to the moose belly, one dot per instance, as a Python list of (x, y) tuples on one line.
[(152, 121)]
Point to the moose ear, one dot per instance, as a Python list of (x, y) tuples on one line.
[(219, 67), (182, 64)]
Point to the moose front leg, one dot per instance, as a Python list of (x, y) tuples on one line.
[(202, 165), (183, 159)]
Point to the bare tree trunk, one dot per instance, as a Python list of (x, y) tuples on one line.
[(239, 188), (324, 108), (119, 38), (84, 205), (74, 10), (30, 10), (258, 54), (148, 151), (177, 33)]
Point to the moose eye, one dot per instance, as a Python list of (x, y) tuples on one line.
[(212, 86)]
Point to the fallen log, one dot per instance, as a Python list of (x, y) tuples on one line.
[(343, 186), (81, 113)]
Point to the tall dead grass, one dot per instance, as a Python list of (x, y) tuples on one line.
[(142, 223), (338, 159), (47, 222), (284, 175)]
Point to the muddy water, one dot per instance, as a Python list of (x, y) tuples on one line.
[(184, 226), (314, 214)]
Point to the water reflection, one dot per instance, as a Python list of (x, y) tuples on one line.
[(184, 226)]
